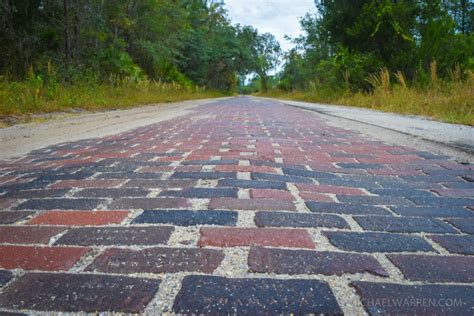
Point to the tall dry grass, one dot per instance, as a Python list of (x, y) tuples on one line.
[(20, 99), (449, 101)]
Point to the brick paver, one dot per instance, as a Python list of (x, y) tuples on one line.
[(238, 207)]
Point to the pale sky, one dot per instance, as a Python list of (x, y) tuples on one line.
[(279, 17)]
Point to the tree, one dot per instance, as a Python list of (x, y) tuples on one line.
[(268, 52)]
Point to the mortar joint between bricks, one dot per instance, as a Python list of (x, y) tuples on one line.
[(164, 298), (299, 202), (392, 270)]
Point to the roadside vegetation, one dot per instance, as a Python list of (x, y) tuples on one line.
[(92, 54), (414, 57)]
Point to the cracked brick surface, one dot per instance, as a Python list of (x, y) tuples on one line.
[(241, 207)]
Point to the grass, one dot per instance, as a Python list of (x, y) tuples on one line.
[(451, 102), (20, 101)]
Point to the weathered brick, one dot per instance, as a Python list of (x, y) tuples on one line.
[(263, 194), (5, 277), (314, 196), (279, 177), (149, 203), (112, 192), (161, 184), (466, 226), (339, 208), (361, 165), (130, 175), (79, 293), (398, 299), (377, 242), (329, 189), (6, 203), (106, 236), (28, 234), (401, 192), (79, 218), (308, 173), (203, 175), (10, 217), (250, 205), (30, 194), (236, 168), (218, 295), (435, 268), (441, 201), (64, 204), (373, 200), (234, 237), (188, 217), (40, 258), (252, 184), (157, 260), (202, 193), (432, 211), (285, 261), (211, 162), (457, 244), (285, 219), (468, 193), (65, 184), (403, 224)]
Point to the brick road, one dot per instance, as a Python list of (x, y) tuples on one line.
[(241, 206)]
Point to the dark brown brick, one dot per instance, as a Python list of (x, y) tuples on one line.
[(10, 217), (5, 277), (149, 203), (106, 236), (466, 226), (28, 234), (285, 261), (287, 219), (79, 293), (435, 268), (112, 192), (398, 299), (157, 260), (377, 242), (60, 204), (457, 244), (403, 224), (218, 295), (160, 184), (339, 208)]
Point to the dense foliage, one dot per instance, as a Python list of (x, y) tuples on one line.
[(188, 42), (347, 41)]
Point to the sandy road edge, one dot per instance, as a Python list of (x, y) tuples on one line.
[(18, 140), (385, 134)]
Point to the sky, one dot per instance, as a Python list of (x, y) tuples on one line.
[(279, 17)]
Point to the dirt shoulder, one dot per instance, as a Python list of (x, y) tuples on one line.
[(20, 139)]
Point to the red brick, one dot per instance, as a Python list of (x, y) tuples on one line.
[(40, 258), (27, 234), (468, 193), (313, 196), (86, 184), (273, 237), (250, 205), (6, 203), (271, 194), (156, 169), (237, 168), (79, 218), (304, 187)]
